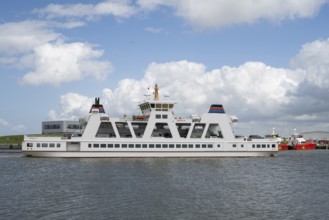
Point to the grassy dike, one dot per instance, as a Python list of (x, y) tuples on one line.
[(11, 142)]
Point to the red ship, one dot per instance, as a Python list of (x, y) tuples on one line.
[(297, 142)]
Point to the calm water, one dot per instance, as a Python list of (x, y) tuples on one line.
[(293, 185)]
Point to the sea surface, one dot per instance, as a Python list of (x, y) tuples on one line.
[(293, 185)]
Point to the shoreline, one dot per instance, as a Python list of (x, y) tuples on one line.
[(10, 146)]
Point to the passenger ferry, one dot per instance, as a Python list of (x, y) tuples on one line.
[(154, 133)]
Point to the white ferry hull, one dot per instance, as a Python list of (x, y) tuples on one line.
[(145, 154)]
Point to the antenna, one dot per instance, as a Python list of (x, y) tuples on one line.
[(156, 92)]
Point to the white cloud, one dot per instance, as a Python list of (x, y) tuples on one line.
[(314, 59), (221, 13), (121, 9), (252, 90), (31, 45), (199, 14), (73, 105), (3, 122), (22, 37), (59, 62), (154, 30), (260, 95), (5, 125)]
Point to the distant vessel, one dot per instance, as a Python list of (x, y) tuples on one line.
[(154, 133), (297, 142)]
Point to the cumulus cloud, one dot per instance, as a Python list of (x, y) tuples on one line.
[(314, 60), (31, 45), (60, 62), (260, 95), (252, 90), (22, 37), (73, 105)]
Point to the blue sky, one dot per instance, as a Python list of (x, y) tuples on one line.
[(267, 62)]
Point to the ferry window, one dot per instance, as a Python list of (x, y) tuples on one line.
[(138, 146), (110, 145), (158, 145), (171, 105), (29, 145), (198, 130), (89, 145), (165, 146), (183, 129), (105, 130), (273, 145), (214, 131), (157, 116), (263, 145), (268, 146), (171, 145), (204, 145), (38, 144), (117, 145), (96, 145), (209, 145), (151, 146), (152, 105), (131, 145), (197, 146), (234, 145), (253, 146), (139, 128), (242, 146), (218, 145), (123, 129), (124, 145), (161, 130), (190, 146), (178, 146), (103, 145), (184, 145), (258, 145), (58, 145), (144, 145), (164, 116), (44, 145), (52, 145)]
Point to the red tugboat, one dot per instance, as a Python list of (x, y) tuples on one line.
[(297, 142)]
